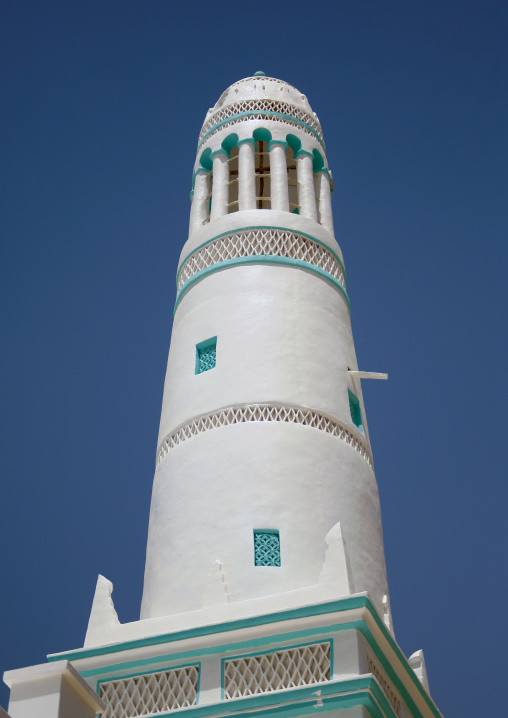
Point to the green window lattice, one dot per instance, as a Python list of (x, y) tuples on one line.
[(206, 355), (354, 408), (266, 548)]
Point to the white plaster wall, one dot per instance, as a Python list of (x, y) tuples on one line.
[(212, 491), (283, 335)]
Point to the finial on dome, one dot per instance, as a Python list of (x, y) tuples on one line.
[(260, 73)]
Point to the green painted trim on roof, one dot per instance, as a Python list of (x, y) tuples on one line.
[(261, 259), (248, 645), (261, 226), (301, 701), (345, 604), (253, 113)]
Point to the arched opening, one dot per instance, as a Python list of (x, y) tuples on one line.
[(292, 181), (262, 168), (233, 180), (206, 164), (318, 166), (230, 145)]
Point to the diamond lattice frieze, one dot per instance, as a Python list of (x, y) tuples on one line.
[(263, 412), (256, 242), (301, 666), (266, 105), (151, 693)]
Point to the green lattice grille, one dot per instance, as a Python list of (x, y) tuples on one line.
[(354, 408), (266, 548), (206, 354)]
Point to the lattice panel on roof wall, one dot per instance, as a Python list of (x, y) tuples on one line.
[(385, 684), (283, 108), (151, 693), (263, 412), (256, 242), (293, 667)]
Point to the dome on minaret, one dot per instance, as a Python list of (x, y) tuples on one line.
[(260, 88)]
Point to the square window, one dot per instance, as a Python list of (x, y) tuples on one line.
[(266, 547), (206, 354), (354, 408)]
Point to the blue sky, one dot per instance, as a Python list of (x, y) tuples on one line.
[(102, 106)]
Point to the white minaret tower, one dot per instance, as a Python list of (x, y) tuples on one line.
[(263, 449), (265, 584)]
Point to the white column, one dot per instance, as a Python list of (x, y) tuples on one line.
[(278, 175), (325, 201), (246, 175), (306, 190), (220, 188), (199, 208)]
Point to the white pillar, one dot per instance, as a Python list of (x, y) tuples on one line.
[(306, 190), (220, 187), (199, 208), (325, 201), (246, 175), (278, 175)]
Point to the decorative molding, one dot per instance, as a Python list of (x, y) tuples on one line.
[(263, 412), (261, 105), (385, 684), (292, 667), (261, 241), (341, 605), (152, 692)]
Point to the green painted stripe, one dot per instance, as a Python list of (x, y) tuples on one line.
[(345, 604), (260, 259), (254, 113), (300, 702), (276, 640), (225, 648), (256, 227)]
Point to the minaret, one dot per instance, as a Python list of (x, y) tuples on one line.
[(263, 442), (265, 584)]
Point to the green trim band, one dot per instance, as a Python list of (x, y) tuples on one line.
[(358, 625), (302, 701), (261, 226), (251, 141), (341, 605), (253, 113), (260, 259), (345, 604), (252, 643)]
